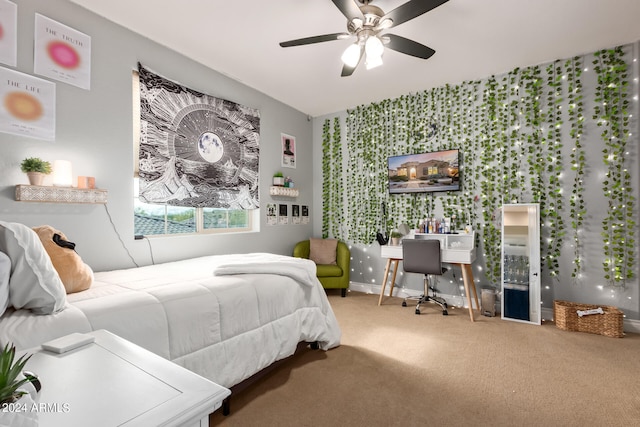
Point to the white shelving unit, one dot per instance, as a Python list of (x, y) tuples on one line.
[(521, 263)]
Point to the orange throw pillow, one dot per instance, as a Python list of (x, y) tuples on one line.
[(74, 273)]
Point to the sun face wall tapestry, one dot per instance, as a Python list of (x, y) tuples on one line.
[(196, 150)]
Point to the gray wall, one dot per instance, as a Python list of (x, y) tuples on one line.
[(591, 287), (94, 132)]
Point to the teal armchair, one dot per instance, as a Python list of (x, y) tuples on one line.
[(331, 276)]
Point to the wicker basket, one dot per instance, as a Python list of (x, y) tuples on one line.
[(609, 324)]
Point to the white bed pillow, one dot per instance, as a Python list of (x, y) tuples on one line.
[(5, 272), (34, 283)]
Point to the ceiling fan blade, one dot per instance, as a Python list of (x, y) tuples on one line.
[(412, 9), (348, 8), (314, 39), (347, 70), (409, 47)]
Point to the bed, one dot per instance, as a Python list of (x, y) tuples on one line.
[(225, 317)]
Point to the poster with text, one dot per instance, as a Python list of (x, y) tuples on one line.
[(8, 32), (62, 53), (28, 105), (288, 151), (305, 214), (283, 214), (295, 214), (272, 214)]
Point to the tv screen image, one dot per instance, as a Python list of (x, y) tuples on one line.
[(424, 172)]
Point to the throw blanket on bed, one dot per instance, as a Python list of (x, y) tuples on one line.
[(301, 270)]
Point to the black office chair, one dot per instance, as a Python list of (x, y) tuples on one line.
[(423, 256)]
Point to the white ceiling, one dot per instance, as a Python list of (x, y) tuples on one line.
[(473, 39)]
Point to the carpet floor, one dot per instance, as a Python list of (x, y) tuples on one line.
[(395, 368)]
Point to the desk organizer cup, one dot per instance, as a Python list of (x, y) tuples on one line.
[(609, 324)]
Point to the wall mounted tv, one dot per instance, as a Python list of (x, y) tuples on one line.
[(425, 172)]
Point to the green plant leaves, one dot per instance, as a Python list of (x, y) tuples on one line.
[(521, 136)]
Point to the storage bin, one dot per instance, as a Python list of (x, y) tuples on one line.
[(610, 323)]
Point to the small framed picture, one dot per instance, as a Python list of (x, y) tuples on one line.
[(295, 214), (283, 214), (288, 151), (272, 214)]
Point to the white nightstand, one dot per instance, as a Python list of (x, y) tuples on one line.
[(112, 382)]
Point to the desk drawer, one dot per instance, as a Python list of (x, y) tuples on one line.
[(459, 256), (389, 251)]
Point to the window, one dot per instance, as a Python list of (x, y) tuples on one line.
[(163, 219), (158, 219)]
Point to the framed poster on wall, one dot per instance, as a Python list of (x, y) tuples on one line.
[(288, 151), (29, 107), (8, 32), (283, 214), (62, 53), (295, 214), (272, 214)]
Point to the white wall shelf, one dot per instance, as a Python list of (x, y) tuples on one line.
[(49, 194), (284, 191)]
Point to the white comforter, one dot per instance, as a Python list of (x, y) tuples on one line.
[(225, 327)]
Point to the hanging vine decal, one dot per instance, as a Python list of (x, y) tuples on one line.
[(522, 139), (554, 168), (490, 180), (612, 115), (577, 158), (326, 183), (336, 183)]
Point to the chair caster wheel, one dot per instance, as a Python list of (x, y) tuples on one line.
[(404, 303), (445, 313), (417, 311)]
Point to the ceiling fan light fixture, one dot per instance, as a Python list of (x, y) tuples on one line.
[(385, 24), (373, 62), (351, 55), (354, 25), (374, 47), (366, 23)]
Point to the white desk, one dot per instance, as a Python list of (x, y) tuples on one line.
[(458, 249), (113, 382)]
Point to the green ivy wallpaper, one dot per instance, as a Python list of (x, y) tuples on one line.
[(525, 136)]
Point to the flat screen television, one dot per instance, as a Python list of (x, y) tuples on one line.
[(434, 171)]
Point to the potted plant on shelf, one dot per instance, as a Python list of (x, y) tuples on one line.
[(395, 238), (36, 169), (278, 179)]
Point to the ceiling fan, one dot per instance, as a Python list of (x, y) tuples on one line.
[(367, 22)]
